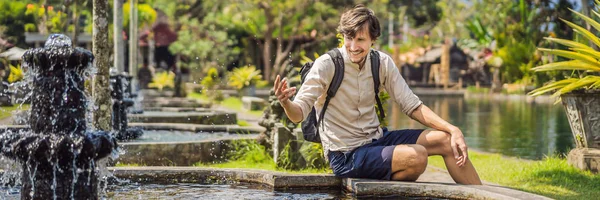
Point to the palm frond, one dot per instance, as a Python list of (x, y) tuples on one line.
[(581, 83), (572, 55), (566, 65), (568, 43), (587, 19), (596, 85), (589, 52), (552, 86), (583, 32)]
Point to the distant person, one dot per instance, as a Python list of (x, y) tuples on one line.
[(354, 143), (163, 37)]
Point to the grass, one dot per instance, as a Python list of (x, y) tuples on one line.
[(481, 90), (233, 103), (195, 95), (7, 111), (242, 123), (129, 165), (248, 154), (265, 165), (552, 177)]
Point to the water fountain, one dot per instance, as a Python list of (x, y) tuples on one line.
[(58, 155), (121, 101)]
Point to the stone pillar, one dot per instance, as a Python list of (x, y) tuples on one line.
[(281, 137), (445, 63), (119, 52), (133, 42), (101, 49)]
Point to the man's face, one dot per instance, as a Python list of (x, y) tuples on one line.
[(358, 47)]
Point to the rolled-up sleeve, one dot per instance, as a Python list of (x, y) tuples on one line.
[(397, 87), (314, 84)]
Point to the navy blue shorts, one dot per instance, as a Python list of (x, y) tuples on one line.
[(373, 160)]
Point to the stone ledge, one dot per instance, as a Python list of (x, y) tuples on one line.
[(277, 180), (366, 187), (253, 103), (282, 181), (177, 153), (197, 127), (206, 118)]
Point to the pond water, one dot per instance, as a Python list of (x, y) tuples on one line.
[(210, 191), (200, 191), (509, 127)]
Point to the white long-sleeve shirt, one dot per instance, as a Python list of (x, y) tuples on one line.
[(350, 120)]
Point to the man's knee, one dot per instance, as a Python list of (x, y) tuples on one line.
[(410, 158), (438, 143)]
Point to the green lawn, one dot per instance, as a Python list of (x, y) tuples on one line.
[(552, 177), (265, 165), (233, 103), (6, 111)]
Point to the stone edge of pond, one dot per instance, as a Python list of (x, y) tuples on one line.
[(176, 127), (282, 181), (198, 127)]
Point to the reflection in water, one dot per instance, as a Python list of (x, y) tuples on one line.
[(510, 127)]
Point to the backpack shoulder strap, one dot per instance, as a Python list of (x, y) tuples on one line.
[(338, 77), (375, 65)]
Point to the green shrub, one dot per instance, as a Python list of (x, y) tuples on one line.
[(210, 84)]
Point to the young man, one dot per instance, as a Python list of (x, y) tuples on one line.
[(353, 141)]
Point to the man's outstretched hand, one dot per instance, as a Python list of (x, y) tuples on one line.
[(282, 91)]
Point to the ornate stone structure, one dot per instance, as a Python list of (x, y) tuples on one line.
[(583, 112)]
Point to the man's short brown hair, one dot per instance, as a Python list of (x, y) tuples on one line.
[(354, 19)]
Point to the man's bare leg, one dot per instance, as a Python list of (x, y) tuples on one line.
[(408, 162), (438, 143)]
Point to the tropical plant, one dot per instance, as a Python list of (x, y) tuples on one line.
[(161, 80), (246, 76), (146, 14), (210, 83), (49, 20), (16, 74), (582, 60)]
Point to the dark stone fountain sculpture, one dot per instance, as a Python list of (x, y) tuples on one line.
[(58, 155), (121, 95)]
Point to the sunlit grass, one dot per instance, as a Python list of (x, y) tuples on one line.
[(7, 111), (195, 95), (233, 103), (242, 123), (552, 177), (264, 165), (251, 155), (129, 165)]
